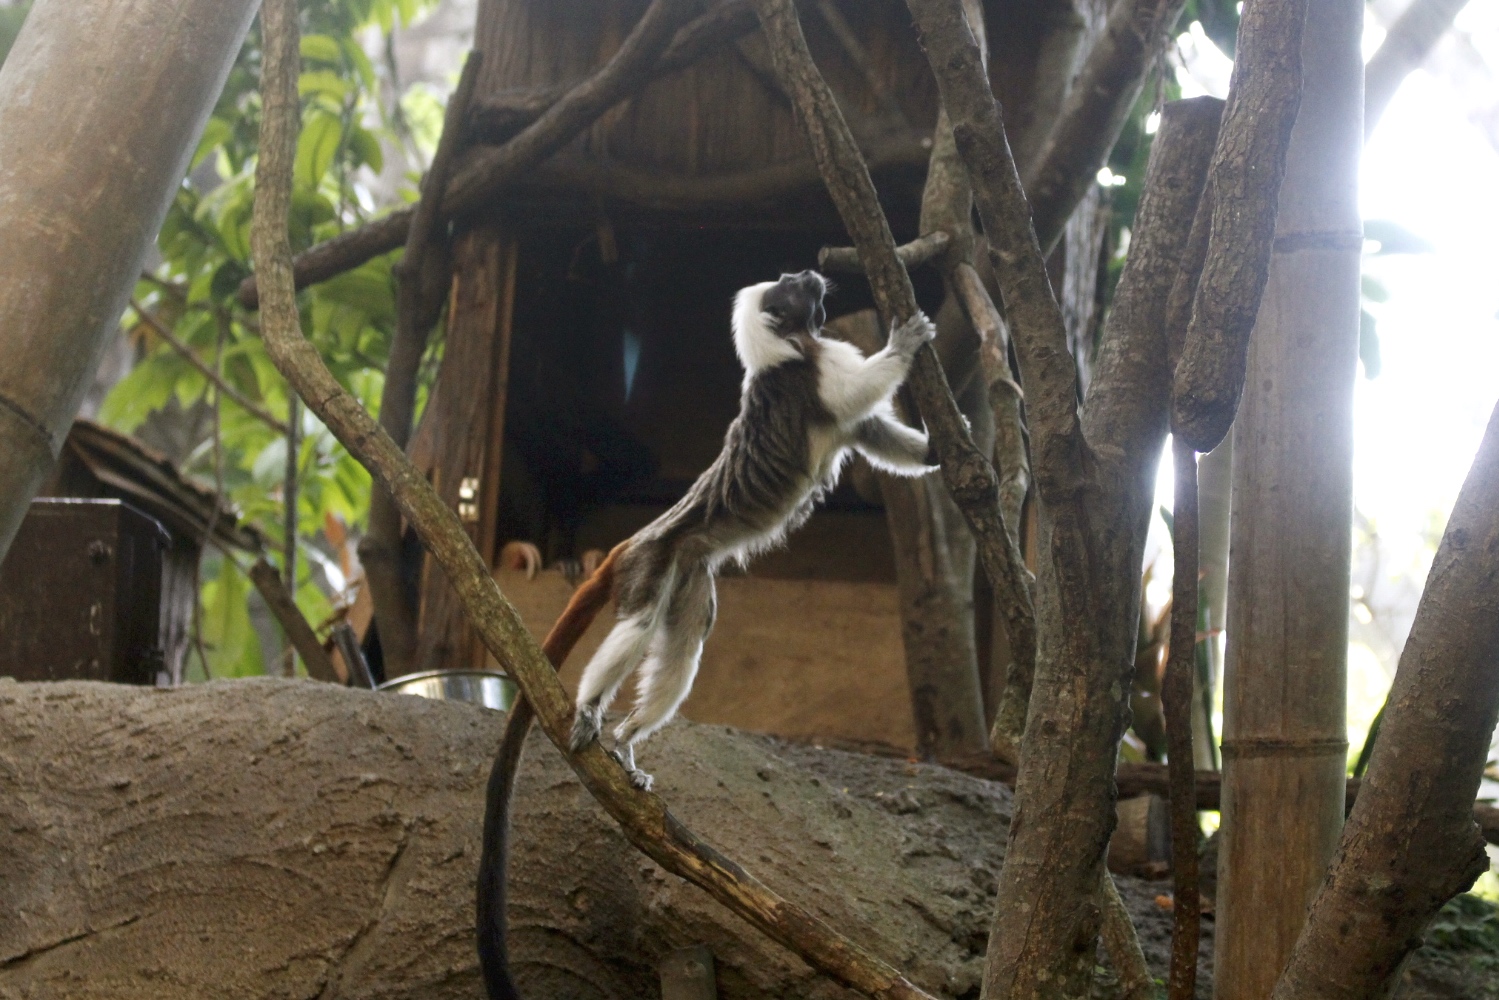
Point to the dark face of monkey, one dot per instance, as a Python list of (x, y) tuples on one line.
[(794, 304)]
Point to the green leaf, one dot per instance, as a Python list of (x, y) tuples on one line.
[(1368, 345), (215, 134), (225, 622), (10, 26), (316, 147), (366, 148), (323, 83), (1373, 289), (323, 49)]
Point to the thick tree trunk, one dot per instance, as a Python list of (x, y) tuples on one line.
[(280, 838), (102, 104), (1284, 746)]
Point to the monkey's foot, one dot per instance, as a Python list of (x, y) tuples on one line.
[(587, 723), (625, 754)]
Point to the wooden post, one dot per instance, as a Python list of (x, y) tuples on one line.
[(103, 103), (1284, 744), (465, 427)]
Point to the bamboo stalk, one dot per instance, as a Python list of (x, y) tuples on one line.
[(89, 163), (1285, 732)]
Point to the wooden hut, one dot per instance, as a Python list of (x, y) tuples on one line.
[(588, 373)]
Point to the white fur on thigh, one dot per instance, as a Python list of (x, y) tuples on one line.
[(619, 654), (665, 680)]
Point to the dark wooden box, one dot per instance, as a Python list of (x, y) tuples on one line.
[(80, 594)]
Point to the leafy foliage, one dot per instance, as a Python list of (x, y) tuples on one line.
[(204, 244), (1466, 929)]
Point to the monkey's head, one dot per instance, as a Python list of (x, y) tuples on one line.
[(793, 305), (776, 321)]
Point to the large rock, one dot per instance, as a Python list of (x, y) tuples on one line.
[(279, 839), (287, 839)]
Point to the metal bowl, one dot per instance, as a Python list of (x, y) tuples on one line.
[(477, 687)]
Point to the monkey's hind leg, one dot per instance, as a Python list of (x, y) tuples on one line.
[(668, 675), (620, 653)]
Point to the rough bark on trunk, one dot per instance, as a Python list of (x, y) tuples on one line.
[(83, 193), (1284, 746), (1411, 843), (464, 427)]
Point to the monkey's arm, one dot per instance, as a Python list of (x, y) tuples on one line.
[(851, 387), (891, 446)]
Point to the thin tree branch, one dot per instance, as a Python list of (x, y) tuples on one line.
[(1134, 779), (1263, 98), (1406, 45), (1176, 700), (1097, 106), (419, 294), (1035, 320), (298, 631), (487, 171), (947, 206), (969, 477), (642, 816), (1011, 454), (289, 510), (845, 260), (240, 399)]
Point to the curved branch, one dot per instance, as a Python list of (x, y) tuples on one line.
[(969, 477), (642, 816)]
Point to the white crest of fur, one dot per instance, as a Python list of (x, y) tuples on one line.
[(755, 342)]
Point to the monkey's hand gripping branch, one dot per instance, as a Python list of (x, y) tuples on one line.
[(643, 817)]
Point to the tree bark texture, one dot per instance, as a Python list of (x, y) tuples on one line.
[(1263, 96), (102, 104), (1411, 843), (423, 277), (1095, 498), (1284, 745), (250, 839), (463, 429)]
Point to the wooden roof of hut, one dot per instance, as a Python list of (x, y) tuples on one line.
[(716, 142)]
